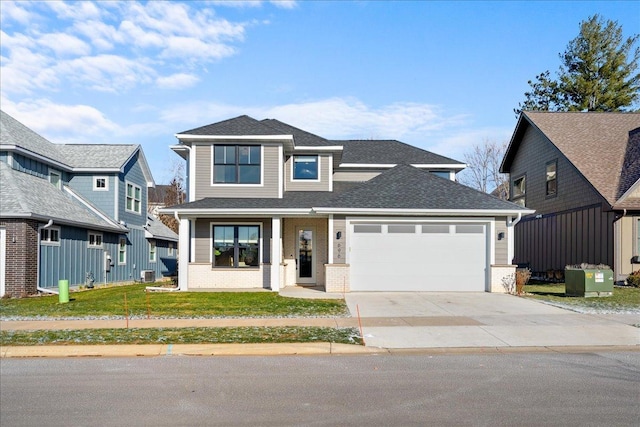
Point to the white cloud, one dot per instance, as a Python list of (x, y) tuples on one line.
[(62, 123), (177, 81), (77, 10), (285, 4), (11, 11), (65, 44)]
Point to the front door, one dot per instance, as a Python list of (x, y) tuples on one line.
[(305, 258)]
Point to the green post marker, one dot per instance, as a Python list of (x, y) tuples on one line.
[(63, 291)]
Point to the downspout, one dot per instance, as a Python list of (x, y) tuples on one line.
[(511, 237), (38, 288)]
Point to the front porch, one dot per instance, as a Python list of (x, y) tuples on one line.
[(299, 251)]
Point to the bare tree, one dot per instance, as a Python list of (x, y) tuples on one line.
[(483, 169), (174, 195)]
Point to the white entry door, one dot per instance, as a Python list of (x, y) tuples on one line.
[(305, 256), (418, 256)]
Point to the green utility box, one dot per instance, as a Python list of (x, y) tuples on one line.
[(588, 282), (63, 291)]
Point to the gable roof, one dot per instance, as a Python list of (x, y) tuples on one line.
[(238, 126), (390, 152), (301, 137), (595, 143), (26, 196), (155, 229), (403, 188), (72, 157)]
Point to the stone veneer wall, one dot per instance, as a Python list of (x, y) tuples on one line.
[(21, 268), (202, 276), (337, 278), (498, 273)]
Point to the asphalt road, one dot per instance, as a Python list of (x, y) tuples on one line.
[(391, 390)]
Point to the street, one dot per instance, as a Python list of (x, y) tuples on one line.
[(400, 389)]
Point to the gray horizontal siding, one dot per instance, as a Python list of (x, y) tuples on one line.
[(355, 176), (205, 188), (501, 246), (322, 185)]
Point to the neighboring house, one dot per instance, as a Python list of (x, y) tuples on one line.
[(158, 198), (581, 174), (271, 205), (75, 212)]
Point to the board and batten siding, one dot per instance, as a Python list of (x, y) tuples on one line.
[(203, 237), (133, 174), (34, 167), (101, 199), (270, 174), (573, 237), (323, 184)]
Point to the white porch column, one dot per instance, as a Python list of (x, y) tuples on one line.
[(183, 254), (276, 252), (510, 240)]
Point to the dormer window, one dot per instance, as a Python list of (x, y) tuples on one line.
[(305, 167), (55, 178), (237, 164)]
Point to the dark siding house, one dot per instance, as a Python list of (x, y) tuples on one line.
[(580, 173)]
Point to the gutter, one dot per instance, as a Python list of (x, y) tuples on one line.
[(38, 288)]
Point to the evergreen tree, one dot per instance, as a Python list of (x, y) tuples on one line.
[(597, 73)]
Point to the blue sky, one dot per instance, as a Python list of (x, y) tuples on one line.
[(439, 75)]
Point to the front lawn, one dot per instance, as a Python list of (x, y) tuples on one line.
[(623, 300), (182, 336), (109, 303)]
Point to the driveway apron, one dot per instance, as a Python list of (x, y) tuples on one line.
[(478, 319)]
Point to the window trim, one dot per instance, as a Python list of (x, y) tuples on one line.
[(96, 235), (126, 197), (236, 184), (48, 231), (547, 180), (122, 249), (522, 197), (57, 173), (106, 183), (235, 224), (170, 249), (153, 251), (293, 168)]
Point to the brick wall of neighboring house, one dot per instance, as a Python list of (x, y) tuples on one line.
[(21, 274)]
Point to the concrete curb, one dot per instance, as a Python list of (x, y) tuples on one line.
[(323, 348)]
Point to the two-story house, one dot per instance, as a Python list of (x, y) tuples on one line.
[(580, 171), (76, 213), (271, 205)]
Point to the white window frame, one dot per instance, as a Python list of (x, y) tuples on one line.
[(49, 231), (96, 237), (293, 168), (95, 183), (122, 249), (170, 249), (153, 251), (52, 173), (133, 198)]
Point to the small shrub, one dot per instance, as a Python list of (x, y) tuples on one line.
[(509, 283), (634, 279), (522, 278)]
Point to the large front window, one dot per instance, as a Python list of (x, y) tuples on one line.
[(236, 164), (236, 246)]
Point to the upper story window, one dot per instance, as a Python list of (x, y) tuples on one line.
[(100, 183), (237, 164), (551, 178), (134, 197), (95, 239), (50, 236), (152, 251), (442, 174), (305, 167), (519, 189), (55, 177), (122, 251)]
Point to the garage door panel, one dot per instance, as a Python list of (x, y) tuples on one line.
[(420, 261)]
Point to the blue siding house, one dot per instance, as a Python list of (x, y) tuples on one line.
[(76, 212)]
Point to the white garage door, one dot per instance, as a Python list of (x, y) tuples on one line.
[(418, 257)]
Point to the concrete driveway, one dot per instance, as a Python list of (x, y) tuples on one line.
[(470, 319)]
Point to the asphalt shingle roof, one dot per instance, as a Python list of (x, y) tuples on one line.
[(242, 125), (12, 132), (23, 195), (401, 187), (597, 144), (388, 152), (160, 231), (302, 138), (110, 156)]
